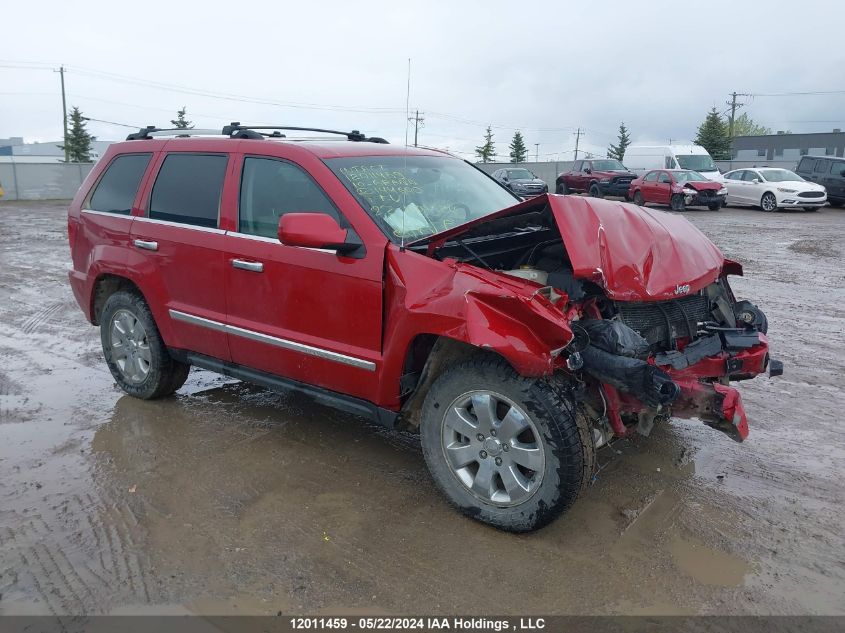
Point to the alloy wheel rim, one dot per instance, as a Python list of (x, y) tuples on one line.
[(768, 202), (493, 448), (130, 347)]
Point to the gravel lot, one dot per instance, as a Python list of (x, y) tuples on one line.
[(231, 499)]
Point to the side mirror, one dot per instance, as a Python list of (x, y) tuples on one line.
[(756, 181), (587, 170), (313, 230), (504, 178)]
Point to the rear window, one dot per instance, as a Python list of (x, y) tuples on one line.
[(188, 189), (116, 190)]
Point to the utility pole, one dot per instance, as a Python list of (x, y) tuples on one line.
[(577, 140), (734, 107), (61, 72), (536, 152), (418, 123)]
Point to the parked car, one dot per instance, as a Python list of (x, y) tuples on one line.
[(773, 188), (827, 171), (405, 285), (599, 178), (643, 158), (521, 181), (678, 188)]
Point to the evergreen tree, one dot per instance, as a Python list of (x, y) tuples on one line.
[(180, 122), (713, 136), (487, 151), (78, 139), (744, 125), (518, 150), (618, 151)]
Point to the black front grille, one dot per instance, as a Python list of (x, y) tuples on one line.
[(811, 194), (663, 321), (623, 181), (706, 194)]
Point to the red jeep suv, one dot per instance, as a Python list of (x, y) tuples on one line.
[(407, 286)]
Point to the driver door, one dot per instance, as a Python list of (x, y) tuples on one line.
[(302, 313)]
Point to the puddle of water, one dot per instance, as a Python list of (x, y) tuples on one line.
[(707, 565)]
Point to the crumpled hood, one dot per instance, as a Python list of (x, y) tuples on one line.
[(634, 253), (703, 186)]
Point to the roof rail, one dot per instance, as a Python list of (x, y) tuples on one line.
[(236, 130)]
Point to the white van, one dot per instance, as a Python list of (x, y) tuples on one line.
[(643, 158)]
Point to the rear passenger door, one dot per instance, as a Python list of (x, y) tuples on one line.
[(834, 180), (663, 189), (302, 313), (179, 251)]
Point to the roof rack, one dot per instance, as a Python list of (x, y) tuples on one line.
[(236, 130)]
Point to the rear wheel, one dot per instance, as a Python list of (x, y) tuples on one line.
[(768, 202), (595, 192), (562, 188), (676, 202), (134, 351), (506, 450), (638, 198)]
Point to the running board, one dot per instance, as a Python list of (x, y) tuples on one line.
[(349, 404)]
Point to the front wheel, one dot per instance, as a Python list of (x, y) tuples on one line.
[(509, 451), (595, 192), (676, 202), (768, 202), (638, 199), (135, 354)]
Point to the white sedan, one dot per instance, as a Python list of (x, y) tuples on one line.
[(772, 188)]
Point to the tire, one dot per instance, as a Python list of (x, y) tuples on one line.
[(715, 206), (638, 199), (768, 202), (562, 189), (595, 192), (537, 423), (138, 358), (676, 202)]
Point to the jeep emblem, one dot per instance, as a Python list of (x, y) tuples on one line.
[(681, 289)]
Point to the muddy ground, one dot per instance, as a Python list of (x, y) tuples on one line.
[(233, 499)]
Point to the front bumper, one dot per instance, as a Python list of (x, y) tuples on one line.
[(619, 189), (531, 193), (793, 200), (704, 200)]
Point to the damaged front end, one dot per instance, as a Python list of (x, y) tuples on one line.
[(642, 298)]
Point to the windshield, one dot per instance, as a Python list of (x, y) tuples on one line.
[(608, 165), (696, 162), (780, 175), (412, 197), (689, 176), (520, 174)]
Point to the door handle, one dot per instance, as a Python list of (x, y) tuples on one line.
[(255, 267), (146, 245)]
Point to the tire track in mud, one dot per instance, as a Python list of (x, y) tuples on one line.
[(42, 316)]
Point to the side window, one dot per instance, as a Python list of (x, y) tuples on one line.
[(116, 190), (750, 176), (821, 166), (651, 176), (664, 177), (577, 165), (669, 162), (837, 167), (587, 165), (806, 165), (270, 188), (188, 188)]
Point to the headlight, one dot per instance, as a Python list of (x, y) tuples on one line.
[(604, 180), (784, 190), (723, 191), (688, 192)]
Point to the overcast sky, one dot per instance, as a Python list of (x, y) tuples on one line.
[(543, 67)]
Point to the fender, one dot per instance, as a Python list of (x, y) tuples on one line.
[(481, 308)]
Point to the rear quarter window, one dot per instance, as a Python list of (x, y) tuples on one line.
[(116, 190), (188, 189)]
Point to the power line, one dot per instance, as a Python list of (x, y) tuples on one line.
[(418, 123)]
